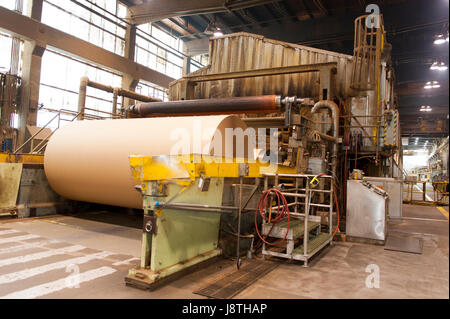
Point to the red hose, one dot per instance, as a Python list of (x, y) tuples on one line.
[(279, 216)]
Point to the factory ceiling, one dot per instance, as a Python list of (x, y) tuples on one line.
[(411, 26)]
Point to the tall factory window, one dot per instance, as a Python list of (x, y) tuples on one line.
[(198, 61), (152, 90), (8, 4), (17, 5), (5, 52), (97, 22), (160, 51), (60, 83)]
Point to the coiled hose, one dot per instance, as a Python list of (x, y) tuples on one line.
[(280, 214)]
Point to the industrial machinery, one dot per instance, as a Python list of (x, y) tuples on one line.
[(306, 118), (184, 197), (394, 188), (367, 211)]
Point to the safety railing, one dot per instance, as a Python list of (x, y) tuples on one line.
[(301, 198), (425, 193), (59, 116)]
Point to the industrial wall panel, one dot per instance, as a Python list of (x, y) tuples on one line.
[(245, 51)]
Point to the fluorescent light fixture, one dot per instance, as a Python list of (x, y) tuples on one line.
[(218, 32), (213, 29), (439, 39), (432, 85), (426, 108), (439, 66)]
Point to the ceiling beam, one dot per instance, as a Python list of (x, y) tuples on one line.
[(267, 8), (182, 27), (157, 10), (250, 17), (169, 26), (319, 5)]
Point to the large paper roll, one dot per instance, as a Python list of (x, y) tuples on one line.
[(88, 160)]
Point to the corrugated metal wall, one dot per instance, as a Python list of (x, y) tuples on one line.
[(245, 51)]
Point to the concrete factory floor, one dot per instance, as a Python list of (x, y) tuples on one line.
[(35, 254)]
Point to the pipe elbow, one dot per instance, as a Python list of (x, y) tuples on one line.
[(84, 80), (334, 113), (326, 104)]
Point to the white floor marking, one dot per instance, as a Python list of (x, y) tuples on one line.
[(428, 197), (17, 238), (8, 231), (58, 285), (40, 255), (27, 273), (24, 246), (125, 261)]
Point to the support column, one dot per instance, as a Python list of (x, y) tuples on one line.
[(128, 82), (186, 65), (31, 76), (130, 41)]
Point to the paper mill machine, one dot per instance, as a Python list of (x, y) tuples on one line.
[(198, 205), (281, 188)]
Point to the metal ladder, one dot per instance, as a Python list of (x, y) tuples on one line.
[(303, 225)]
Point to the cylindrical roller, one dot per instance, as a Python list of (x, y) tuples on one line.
[(233, 105), (88, 160)]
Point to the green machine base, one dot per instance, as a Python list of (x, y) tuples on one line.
[(175, 239)]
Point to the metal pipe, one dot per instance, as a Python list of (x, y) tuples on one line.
[(115, 96), (322, 136), (82, 96), (196, 206), (296, 175), (294, 195), (122, 92), (234, 105), (335, 116)]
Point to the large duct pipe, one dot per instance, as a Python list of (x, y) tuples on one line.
[(234, 105), (335, 116)]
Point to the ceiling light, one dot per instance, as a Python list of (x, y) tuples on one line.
[(218, 32), (424, 108), (439, 39), (432, 85), (440, 66), (213, 29)]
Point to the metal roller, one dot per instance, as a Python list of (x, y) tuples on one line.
[(234, 105)]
